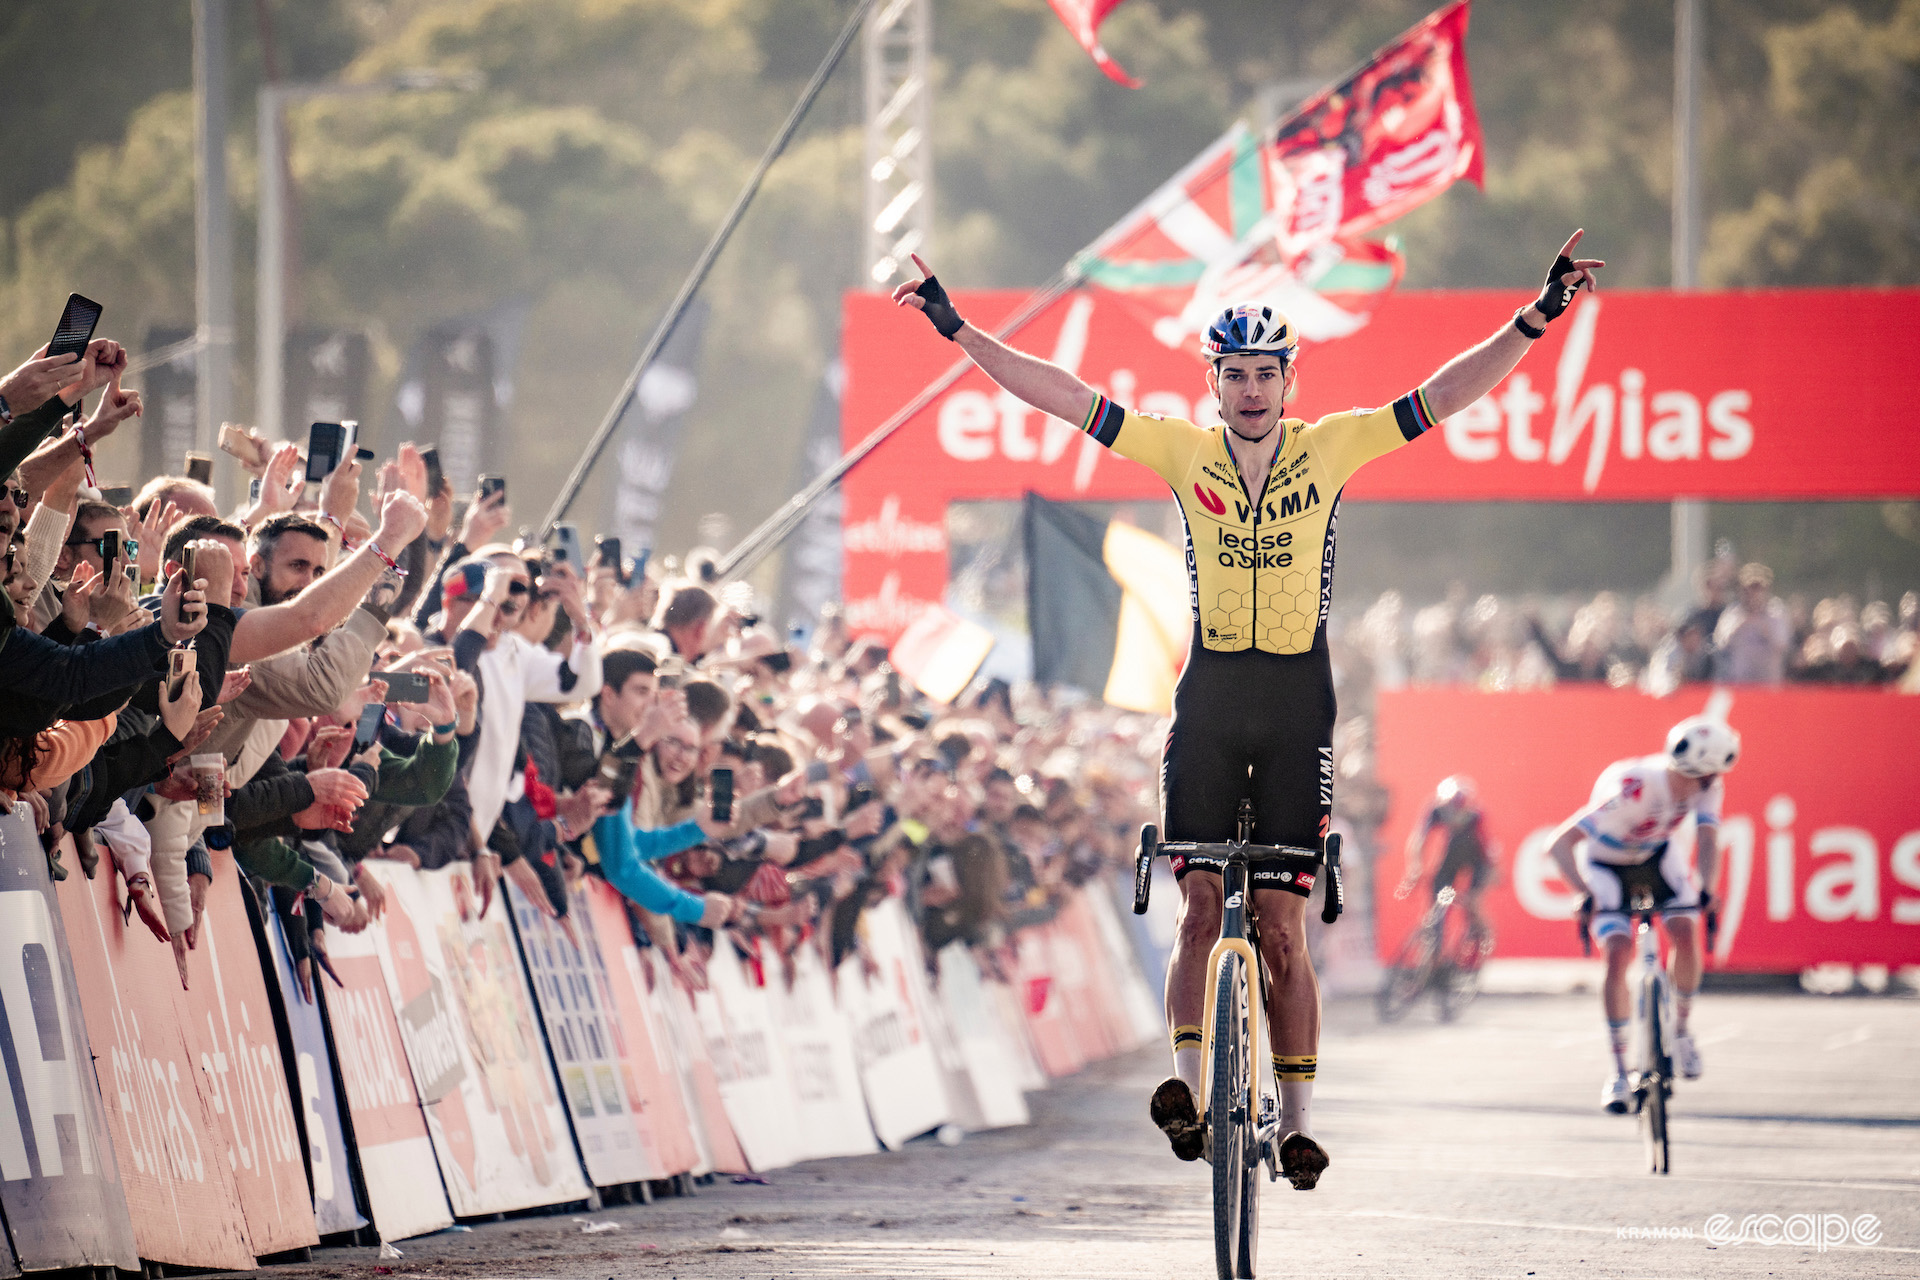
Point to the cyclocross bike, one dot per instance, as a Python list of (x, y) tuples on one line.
[(1243, 1121), (1651, 1053), (1443, 954)]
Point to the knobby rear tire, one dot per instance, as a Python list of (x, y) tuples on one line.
[(1226, 1137), (1654, 1109)]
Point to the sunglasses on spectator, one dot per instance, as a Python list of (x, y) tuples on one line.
[(18, 495), (131, 546)]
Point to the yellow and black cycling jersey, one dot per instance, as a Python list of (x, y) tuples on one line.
[(1259, 567)]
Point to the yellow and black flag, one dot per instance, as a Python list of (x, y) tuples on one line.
[(1106, 606)]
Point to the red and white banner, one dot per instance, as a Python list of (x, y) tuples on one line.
[(1083, 18), (1388, 138), (1632, 396), (1820, 834)]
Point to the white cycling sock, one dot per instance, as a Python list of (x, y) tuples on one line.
[(1682, 1006), (1186, 1058), (1295, 1074), (1617, 1039)]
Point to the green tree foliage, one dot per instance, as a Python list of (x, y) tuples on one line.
[(611, 135)]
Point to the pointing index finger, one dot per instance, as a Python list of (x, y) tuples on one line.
[(1566, 250)]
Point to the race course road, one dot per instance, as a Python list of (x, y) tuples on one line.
[(1476, 1149)]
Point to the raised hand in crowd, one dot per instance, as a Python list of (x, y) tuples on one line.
[(402, 519), (151, 534), (340, 492), (183, 611), (521, 872), (668, 708), (328, 746), (485, 518), (40, 379), (203, 726), (178, 713), (237, 682), (372, 892), (280, 486)]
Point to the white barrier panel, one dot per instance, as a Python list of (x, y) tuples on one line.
[(748, 1060), (466, 1018), (402, 1177), (1142, 1009), (832, 1115), (899, 1070), (699, 1089), (980, 1035)]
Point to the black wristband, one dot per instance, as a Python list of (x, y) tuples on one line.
[(1554, 296), (1527, 330), (939, 309)]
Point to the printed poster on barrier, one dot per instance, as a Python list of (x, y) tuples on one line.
[(1055, 1038), (467, 1020), (832, 1117), (59, 1184), (906, 1094), (571, 986), (1142, 1019), (397, 1163), (328, 1167), (651, 1078), (231, 1031), (748, 1060), (179, 1187)]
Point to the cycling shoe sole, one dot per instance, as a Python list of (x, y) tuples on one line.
[(1302, 1161), (1174, 1114)]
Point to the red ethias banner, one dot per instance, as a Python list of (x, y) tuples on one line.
[(1819, 837), (1633, 395)]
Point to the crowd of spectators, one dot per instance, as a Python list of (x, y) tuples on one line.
[(1739, 631), (367, 669)]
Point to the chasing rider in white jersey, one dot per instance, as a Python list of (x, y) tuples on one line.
[(1624, 838)]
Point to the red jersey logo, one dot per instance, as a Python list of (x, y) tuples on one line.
[(1210, 500)]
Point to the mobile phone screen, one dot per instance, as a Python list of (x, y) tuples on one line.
[(367, 732), (723, 795), (117, 495), (110, 548), (326, 445), (200, 467), (607, 553), (435, 476), (490, 485), (404, 686), (566, 546), (76, 326)]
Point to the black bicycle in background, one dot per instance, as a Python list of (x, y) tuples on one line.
[(1443, 955), (1243, 1121)]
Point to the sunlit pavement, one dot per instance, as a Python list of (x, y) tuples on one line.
[(1471, 1149)]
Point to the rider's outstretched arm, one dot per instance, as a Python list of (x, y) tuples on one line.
[(1479, 369), (1041, 383), (1565, 841)]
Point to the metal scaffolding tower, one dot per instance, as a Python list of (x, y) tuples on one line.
[(899, 203)]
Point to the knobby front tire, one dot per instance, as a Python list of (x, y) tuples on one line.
[(1657, 1084), (1229, 1125), (1408, 975)]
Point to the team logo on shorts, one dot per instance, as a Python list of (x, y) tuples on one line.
[(1306, 880), (1286, 877)]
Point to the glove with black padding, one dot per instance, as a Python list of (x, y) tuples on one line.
[(939, 307), (1556, 297)]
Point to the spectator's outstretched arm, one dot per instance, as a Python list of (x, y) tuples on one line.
[(329, 601), (1478, 370)]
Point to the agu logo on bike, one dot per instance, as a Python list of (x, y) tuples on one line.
[(1820, 1231)]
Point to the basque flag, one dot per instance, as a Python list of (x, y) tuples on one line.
[(1107, 606)]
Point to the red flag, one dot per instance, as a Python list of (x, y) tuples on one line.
[(1083, 18), (1391, 136)]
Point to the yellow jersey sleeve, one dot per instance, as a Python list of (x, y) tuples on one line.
[(1346, 441), (1165, 446)]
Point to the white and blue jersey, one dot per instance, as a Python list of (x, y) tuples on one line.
[(1634, 811)]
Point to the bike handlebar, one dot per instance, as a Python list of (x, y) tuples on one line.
[(1335, 898)]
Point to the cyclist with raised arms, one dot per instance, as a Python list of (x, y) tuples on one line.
[(1624, 846), (1253, 713), (1456, 811)]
